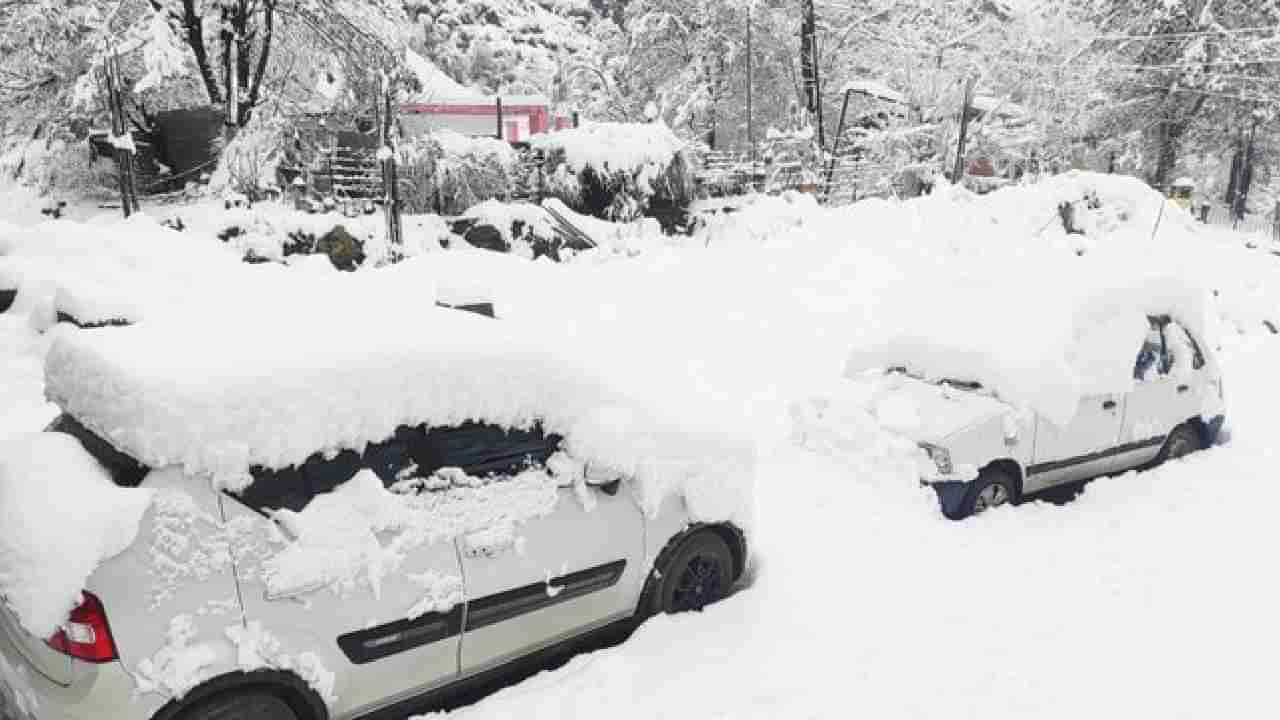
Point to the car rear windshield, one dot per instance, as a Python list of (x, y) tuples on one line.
[(478, 449), (124, 470)]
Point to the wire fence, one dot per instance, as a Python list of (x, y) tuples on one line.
[(1252, 223)]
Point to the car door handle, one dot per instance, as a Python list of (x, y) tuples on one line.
[(1109, 405), (1183, 388)]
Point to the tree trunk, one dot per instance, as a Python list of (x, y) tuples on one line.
[(1234, 178), (260, 72), (1170, 142), (808, 66), (191, 22)]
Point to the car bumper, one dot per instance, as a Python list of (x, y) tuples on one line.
[(1216, 431), (98, 691), (950, 494)]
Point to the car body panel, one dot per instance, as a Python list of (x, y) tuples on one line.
[(312, 619), (27, 695), (1079, 450), (176, 566), (197, 560), (514, 604)]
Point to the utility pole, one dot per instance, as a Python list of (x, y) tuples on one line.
[(1245, 178), (121, 137), (958, 175), (751, 130), (387, 156), (809, 65)]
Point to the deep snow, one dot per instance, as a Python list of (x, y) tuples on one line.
[(1151, 595)]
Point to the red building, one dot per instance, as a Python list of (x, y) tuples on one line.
[(520, 116)]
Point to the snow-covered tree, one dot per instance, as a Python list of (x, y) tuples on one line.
[(1191, 75)]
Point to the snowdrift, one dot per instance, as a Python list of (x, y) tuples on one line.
[(108, 270)]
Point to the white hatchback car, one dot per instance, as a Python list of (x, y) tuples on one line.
[(983, 453), (363, 581)]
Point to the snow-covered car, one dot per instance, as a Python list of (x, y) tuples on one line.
[(983, 452), (309, 528)]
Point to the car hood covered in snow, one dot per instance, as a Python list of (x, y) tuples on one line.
[(929, 412)]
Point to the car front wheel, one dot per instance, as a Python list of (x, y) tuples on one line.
[(991, 489), (699, 573)]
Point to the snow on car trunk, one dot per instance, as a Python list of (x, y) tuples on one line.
[(60, 516), (221, 392)]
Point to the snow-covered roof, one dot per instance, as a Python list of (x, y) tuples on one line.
[(1184, 182), (437, 86), (876, 89), (230, 388)]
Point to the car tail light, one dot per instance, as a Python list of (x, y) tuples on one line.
[(85, 635)]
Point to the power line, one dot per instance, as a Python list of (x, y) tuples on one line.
[(1191, 33), (1239, 97), (1194, 65)]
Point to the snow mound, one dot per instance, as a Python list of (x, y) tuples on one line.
[(109, 269), (1074, 340), (46, 480), (223, 393), (613, 147)]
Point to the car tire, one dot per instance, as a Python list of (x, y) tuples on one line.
[(1183, 441), (698, 573), (992, 488), (249, 705)]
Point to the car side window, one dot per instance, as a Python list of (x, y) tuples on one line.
[(413, 453), (482, 450), (1152, 359), (1184, 352)]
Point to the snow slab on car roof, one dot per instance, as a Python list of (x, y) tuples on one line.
[(1040, 343), (218, 396)]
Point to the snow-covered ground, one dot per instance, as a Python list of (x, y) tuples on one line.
[(1152, 595)]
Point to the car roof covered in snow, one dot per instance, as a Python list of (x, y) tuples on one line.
[(218, 395)]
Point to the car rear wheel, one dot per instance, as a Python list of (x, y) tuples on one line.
[(1183, 441), (991, 489), (250, 705), (699, 573)]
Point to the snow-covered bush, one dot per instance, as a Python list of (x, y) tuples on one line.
[(56, 164), (617, 171), (447, 172), (248, 163)]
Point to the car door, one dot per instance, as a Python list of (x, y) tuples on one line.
[(575, 566), (392, 628), (1168, 390), (1079, 450)]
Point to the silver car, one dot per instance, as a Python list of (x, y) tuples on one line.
[(191, 622), (981, 452)]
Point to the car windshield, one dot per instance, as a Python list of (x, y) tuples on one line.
[(953, 382)]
